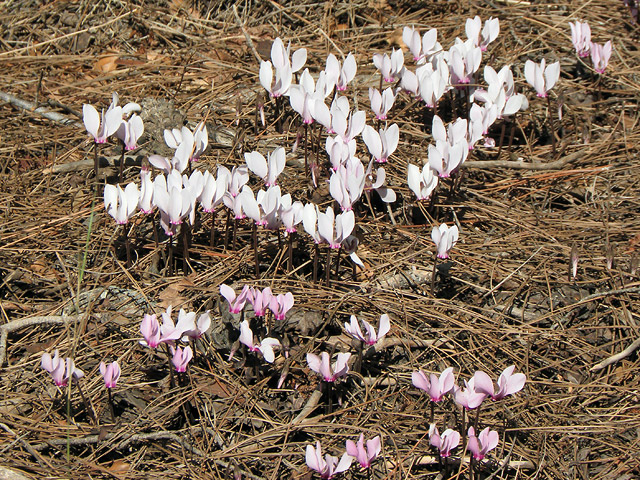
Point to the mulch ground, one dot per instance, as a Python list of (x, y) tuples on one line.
[(505, 297)]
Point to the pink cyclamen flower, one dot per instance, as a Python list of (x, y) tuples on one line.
[(581, 38), (260, 300), (508, 383), (236, 303), (600, 55), (281, 304), (381, 103), (468, 397), (541, 78), (364, 455), (181, 358), (436, 387), (322, 365), (150, 329), (369, 337), (121, 204), (329, 466), (60, 369), (110, 373), (479, 446), (446, 442), (265, 346), (445, 238), (130, 132)]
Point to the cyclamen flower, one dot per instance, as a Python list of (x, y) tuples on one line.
[(281, 304), (383, 143), (260, 300), (508, 383), (581, 37), (370, 337), (110, 373), (322, 365), (61, 370), (422, 182), (265, 346), (335, 229), (121, 204), (268, 169), (150, 329), (600, 55), (181, 358), (489, 32), (364, 455), (479, 446), (130, 132), (445, 238), (390, 66), (446, 442), (329, 466), (436, 387), (542, 78), (341, 76), (381, 103), (236, 304), (468, 397)]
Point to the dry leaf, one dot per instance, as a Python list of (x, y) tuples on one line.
[(171, 294), (106, 64), (119, 466)]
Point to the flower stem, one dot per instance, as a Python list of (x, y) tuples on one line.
[(121, 170), (328, 267), (111, 409), (254, 234), (433, 274), (552, 126)]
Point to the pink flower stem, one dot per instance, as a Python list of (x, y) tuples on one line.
[(552, 126), (185, 230), (432, 417), (328, 268), (503, 130), (226, 230), (254, 235), (235, 234), (111, 409), (338, 262), (127, 245), (433, 276), (290, 252), (212, 238), (316, 254), (121, 169), (166, 349), (96, 162)]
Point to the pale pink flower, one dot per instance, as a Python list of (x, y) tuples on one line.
[(364, 455), (581, 37), (236, 304), (322, 365), (508, 383), (468, 397), (281, 304), (542, 78), (150, 329), (370, 337), (445, 238), (181, 358), (265, 347), (121, 204), (60, 369), (600, 55), (479, 446), (446, 442), (110, 373), (329, 466), (435, 386)]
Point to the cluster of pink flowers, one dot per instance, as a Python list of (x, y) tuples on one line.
[(189, 326), (581, 38), (475, 391), (62, 370), (329, 466)]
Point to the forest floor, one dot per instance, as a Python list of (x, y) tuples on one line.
[(505, 297)]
